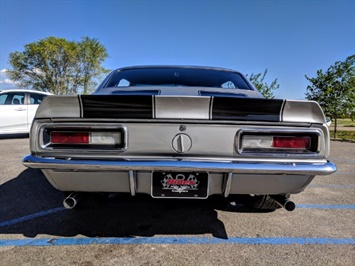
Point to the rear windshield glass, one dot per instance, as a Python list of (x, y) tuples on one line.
[(178, 77)]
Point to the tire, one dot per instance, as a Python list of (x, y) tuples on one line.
[(263, 202)]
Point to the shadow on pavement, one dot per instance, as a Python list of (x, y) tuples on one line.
[(123, 215)]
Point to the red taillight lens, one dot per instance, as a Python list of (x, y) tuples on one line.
[(70, 138), (291, 142)]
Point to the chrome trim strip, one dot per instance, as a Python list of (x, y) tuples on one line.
[(321, 168), (228, 185), (132, 182)]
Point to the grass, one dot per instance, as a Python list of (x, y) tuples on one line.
[(345, 123), (348, 134), (344, 135)]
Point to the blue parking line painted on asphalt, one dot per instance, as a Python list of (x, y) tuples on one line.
[(176, 240), (333, 186), (31, 216), (325, 206)]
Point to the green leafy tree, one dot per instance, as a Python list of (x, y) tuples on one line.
[(91, 55), (258, 80), (334, 89), (59, 66)]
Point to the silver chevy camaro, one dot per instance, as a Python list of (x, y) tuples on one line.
[(180, 132)]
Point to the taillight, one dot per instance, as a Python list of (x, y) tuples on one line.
[(278, 143), (82, 137), (90, 138)]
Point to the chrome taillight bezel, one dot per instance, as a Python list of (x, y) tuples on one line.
[(316, 146), (46, 129)]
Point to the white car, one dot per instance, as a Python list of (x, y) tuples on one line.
[(328, 121), (18, 108)]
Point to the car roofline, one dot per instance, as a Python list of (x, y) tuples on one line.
[(24, 90), (176, 66)]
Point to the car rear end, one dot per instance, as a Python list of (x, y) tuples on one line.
[(179, 147)]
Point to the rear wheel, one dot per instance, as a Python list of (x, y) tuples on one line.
[(258, 202), (263, 202)]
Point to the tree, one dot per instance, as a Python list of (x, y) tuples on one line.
[(59, 66), (258, 80), (91, 56), (334, 89)]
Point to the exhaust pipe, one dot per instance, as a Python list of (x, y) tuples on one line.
[(71, 201), (284, 202)]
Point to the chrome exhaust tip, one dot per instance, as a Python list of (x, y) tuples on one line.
[(71, 201), (284, 202)]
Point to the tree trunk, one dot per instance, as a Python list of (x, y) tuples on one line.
[(335, 127)]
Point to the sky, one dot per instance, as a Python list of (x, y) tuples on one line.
[(290, 38)]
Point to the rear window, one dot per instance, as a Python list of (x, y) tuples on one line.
[(178, 77)]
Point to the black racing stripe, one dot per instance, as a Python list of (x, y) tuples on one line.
[(117, 106), (246, 109)]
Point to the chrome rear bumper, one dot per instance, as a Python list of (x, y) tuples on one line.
[(323, 168)]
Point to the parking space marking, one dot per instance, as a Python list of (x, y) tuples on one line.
[(31, 216), (176, 240), (325, 206), (332, 186)]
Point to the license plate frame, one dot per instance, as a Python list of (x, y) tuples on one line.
[(187, 185)]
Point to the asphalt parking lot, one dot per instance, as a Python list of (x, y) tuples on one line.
[(36, 230)]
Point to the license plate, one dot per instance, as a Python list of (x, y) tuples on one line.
[(179, 185)]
